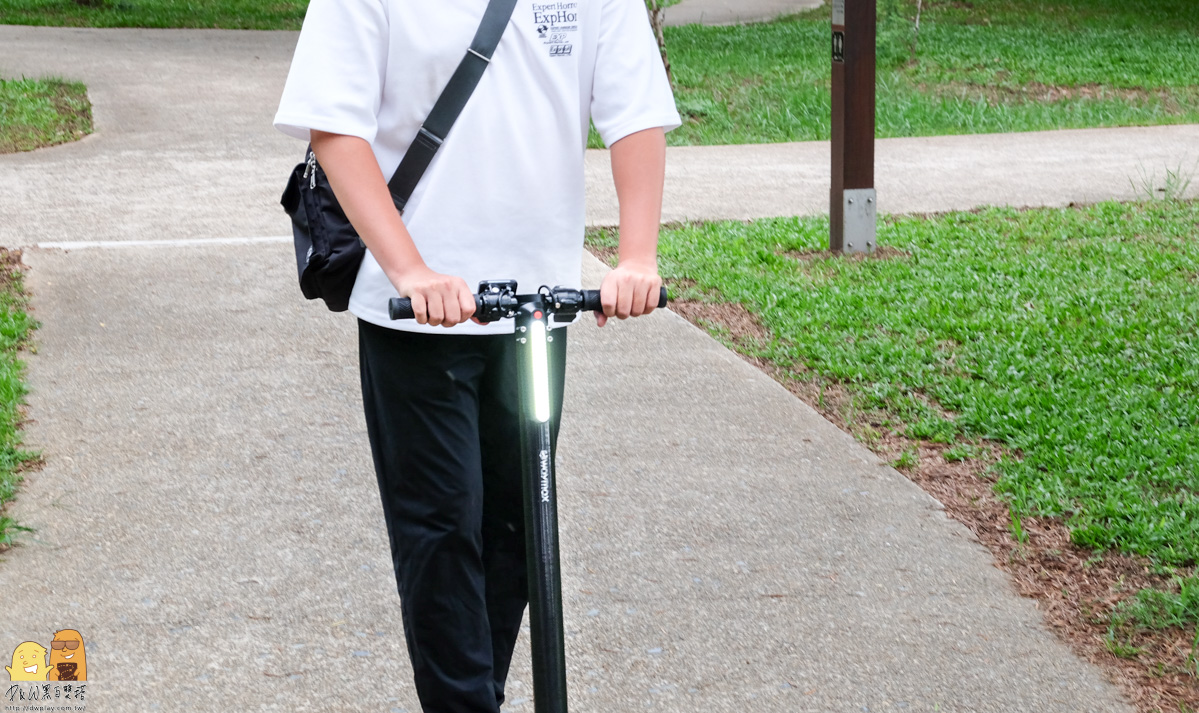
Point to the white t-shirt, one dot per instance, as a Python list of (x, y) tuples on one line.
[(503, 199)]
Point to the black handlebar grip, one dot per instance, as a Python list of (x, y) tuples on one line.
[(591, 300), (400, 308)]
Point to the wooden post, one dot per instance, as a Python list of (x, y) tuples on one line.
[(854, 206)]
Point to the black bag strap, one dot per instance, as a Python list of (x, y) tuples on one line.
[(451, 102)]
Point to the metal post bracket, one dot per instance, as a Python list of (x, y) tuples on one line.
[(861, 220)]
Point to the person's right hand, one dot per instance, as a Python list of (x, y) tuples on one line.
[(436, 299)]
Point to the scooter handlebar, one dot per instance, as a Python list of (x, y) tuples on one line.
[(401, 307), (591, 300)]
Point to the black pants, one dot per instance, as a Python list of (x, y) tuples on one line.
[(441, 413)]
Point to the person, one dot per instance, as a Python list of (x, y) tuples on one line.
[(502, 199)]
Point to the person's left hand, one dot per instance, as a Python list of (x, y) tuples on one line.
[(630, 290)]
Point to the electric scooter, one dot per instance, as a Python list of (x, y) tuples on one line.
[(496, 300)]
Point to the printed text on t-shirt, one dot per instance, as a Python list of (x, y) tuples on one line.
[(557, 23)]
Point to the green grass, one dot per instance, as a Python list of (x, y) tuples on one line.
[(979, 67), (961, 452), (223, 14), (42, 112), (1163, 610), (906, 460), (1072, 336), (1002, 66), (15, 327), (1155, 611)]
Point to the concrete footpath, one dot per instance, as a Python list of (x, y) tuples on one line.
[(208, 517)]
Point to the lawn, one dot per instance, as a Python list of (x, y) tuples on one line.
[(978, 67), (975, 67), (15, 327), (42, 112), (1069, 338), (209, 14)]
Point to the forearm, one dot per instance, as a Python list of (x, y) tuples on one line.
[(639, 171), (354, 174), (362, 191)]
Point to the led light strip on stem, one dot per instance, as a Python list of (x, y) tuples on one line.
[(541, 371)]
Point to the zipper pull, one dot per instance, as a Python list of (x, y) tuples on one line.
[(310, 170)]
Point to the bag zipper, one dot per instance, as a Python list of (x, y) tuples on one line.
[(310, 170)]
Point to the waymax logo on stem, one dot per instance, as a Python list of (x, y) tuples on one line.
[(544, 457)]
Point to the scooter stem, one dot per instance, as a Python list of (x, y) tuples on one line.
[(541, 509)]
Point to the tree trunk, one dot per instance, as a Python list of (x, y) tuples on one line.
[(916, 36), (657, 17)]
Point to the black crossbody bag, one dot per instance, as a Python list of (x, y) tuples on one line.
[(328, 249)]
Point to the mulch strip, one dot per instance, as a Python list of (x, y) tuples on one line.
[(11, 264)]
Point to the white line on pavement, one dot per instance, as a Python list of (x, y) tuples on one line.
[(111, 244)]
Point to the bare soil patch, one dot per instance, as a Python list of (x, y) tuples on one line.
[(1037, 92), (882, 252), (607, 254), (738, 321), (10, 266)]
